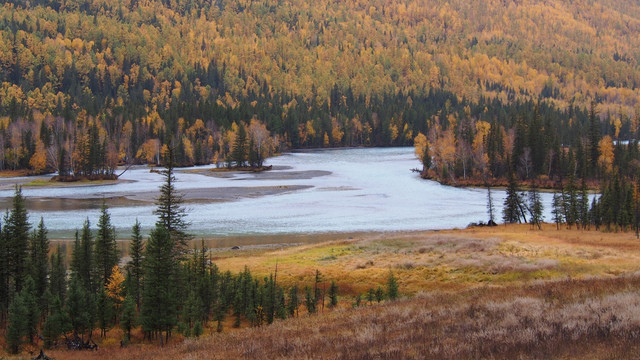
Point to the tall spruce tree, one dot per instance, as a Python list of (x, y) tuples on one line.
[(135, 265), (159, 296), (239, 151), (535, 207), (171, 214), (106, 251), (58, 277), (17, 328), (512, 211), (17, 233), (557, 210), (40, 262), (82, 264)]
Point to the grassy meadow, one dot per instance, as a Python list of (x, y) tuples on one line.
[(501, 292)]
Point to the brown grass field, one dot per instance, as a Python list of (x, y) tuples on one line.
[(506, 292)]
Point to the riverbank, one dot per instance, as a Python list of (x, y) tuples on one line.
[(499, 292)]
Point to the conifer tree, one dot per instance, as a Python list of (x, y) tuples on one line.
[(40, 262), (17, 328), (159, 297), (293, 303), (239, 151), (17, 238), (56, 324), (82, 263), (169, 210), (557, 210), (106, 251), (333, 294), (392, 287), (535, 207), (583, 205), (490, 207), (30, 301), (80, 307), (309, 300), (379, 294), (135, 265), (104, 311), (4, 278), (512, 211), (128, 318)]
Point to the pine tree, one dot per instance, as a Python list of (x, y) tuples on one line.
[(333, 294), (392, 287), (379, 294), (106, 251), (535, 207), (135, 265), (17, 238), (594, 139), (570, 202), (159, 308), (169, 210), (40, 262), (557, 210)]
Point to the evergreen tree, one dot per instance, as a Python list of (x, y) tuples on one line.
[(40, 262), (490, 207), (557, 210), (169, 210), (594, 139), (159, 295), (56, 324), (32, 314), (379, 294), (293, 303), (239, 151), (135, 265), (512, 211), (392, 287), (82, 263), (333, 295), (17, 238), (371, 295), (535, 207), (128, 317), (17, 328), (570, 202), (104, 312), (583, 205), (106, 251), (309, 300), (4, 278), (80, 307)]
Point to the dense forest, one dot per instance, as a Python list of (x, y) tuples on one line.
[(87, 85)]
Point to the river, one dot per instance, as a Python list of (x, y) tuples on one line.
[(345, 190)]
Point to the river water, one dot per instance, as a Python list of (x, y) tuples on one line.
[(346, 190)]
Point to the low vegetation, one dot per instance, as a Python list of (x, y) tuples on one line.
[(500, 292)]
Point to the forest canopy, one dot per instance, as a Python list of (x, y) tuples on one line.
[(136, 75)]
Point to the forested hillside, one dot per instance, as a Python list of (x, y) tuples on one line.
[(86, 85)]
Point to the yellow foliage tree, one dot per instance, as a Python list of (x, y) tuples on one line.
[(115, 286), (605, 146)]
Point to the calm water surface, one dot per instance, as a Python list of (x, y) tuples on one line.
[(346, 190)]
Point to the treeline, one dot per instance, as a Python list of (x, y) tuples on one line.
[(535, 143), (163, 288), (81, 91)]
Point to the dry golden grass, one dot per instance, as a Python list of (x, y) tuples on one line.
[(501, 292)]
